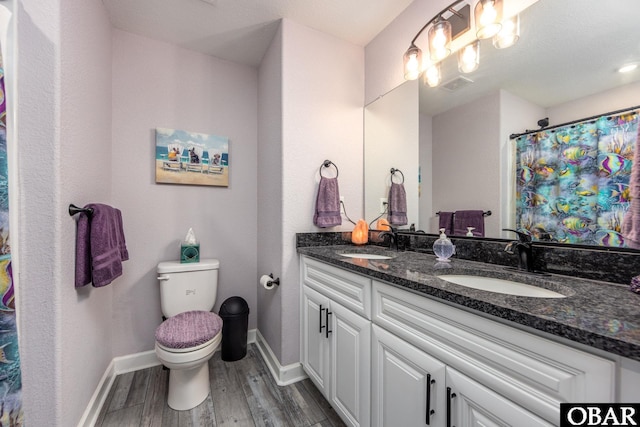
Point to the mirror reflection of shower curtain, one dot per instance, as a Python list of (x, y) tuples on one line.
[(572, 182), (631, 222), (10, 374)]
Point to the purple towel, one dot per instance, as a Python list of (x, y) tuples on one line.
[(446, 222), (100, 246), (464, 219), (397, 204), (327, 212)]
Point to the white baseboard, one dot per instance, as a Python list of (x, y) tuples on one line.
[(90, 415), (284, 375), (121, 365), (129, 363), (135, 362)]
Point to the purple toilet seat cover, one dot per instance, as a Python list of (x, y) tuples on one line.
[(188, 329)]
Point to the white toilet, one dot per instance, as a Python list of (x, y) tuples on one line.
[(188, 338)]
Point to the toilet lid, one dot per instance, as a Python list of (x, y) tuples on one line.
[(188, 329)]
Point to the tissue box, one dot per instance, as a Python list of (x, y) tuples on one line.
[(189, 252)]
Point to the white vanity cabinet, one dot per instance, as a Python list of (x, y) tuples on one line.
[(393, 358), (336, 341), (404, 383), (411, 388), (500, 375)]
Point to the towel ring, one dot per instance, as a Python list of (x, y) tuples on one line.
[(393, 172), (326, 164)]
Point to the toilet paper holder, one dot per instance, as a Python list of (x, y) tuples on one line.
[(274, 281)]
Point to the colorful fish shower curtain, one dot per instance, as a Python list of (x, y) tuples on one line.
[(573, 181), (10, 379)]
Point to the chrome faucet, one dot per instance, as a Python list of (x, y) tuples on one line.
[(524, 248)]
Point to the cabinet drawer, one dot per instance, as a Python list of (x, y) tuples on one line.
[(349, 289), (533, 371)]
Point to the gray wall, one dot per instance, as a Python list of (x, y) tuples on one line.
[(319, 80), (270, 191), (157, 84), (466, 165), (63, 116), (88, 111)]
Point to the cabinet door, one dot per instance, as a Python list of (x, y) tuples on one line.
[(407, 384), (470, 404), (350, 337), (315, 347)]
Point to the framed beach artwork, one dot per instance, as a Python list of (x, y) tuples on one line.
[(191, 158)]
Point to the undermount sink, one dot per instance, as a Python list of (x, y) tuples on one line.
[(364, 255), (501, 286)]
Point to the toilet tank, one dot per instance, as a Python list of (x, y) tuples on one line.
[(187, 286)]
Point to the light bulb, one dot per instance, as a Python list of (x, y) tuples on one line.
[(469, 57), (432, 75), (439, 40), (412, 63), (509, 34), (488, 14)]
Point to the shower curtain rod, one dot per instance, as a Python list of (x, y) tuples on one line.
[(527, 132)]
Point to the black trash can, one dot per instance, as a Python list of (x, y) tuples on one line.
[(234, 312)]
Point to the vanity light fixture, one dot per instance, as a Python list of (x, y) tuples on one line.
[(432, 75), (439, 36), (488, 18), (442, 31), (469, 57), (439, 39), (412, 62), (508, 34)]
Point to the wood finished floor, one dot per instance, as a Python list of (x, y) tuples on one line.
[(243, 393)]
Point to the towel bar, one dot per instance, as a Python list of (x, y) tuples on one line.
[(486, 213), (73, 209)]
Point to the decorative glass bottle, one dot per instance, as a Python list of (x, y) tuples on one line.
[(443, 248)]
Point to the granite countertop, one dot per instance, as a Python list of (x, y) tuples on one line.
[(599, 314)]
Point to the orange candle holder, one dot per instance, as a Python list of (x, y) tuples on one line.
[(383, 225), (360, 233)]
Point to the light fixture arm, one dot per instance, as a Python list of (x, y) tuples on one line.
[(435, 18)]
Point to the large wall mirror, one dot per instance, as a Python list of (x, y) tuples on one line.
[(452, 142)]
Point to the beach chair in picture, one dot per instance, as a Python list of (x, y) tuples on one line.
[(194, 156), (214, 164), (171, 160)]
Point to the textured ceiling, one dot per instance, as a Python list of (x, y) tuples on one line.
[(568, 49), (241, 30)]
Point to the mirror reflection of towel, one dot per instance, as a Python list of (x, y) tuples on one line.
[(327, 212), (464, 219), (397, 204), (446, 221)]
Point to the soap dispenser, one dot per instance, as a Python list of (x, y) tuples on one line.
[(443, 248)]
